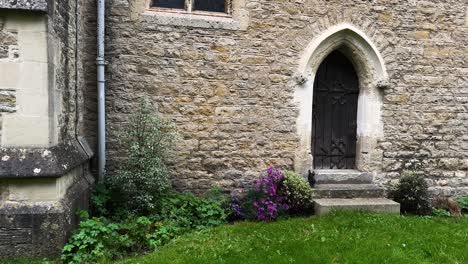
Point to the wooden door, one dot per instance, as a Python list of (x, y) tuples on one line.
[(334, 113)]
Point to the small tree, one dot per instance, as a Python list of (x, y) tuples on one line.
[(144, 177)]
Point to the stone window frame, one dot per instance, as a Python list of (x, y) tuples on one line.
[(188, 9), (237, 18)]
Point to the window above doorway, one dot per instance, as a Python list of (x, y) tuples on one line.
[(213, 7)]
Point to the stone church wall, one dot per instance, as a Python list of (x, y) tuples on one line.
[(230, 88)]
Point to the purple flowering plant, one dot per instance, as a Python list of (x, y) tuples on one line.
[(264, 201)]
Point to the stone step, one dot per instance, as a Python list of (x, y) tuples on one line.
[(377, 205), (341, 177), (347, 191)]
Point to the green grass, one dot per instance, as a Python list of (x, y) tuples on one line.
[(339, 238)]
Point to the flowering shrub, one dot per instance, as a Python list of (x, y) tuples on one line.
[(268, 203), (236, 208), (263, 201), (272, 195)]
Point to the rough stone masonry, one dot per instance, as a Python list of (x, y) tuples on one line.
[(238, 87), (229, 85)]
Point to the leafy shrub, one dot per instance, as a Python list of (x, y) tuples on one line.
[(99, 238), (143, 178), (94, 240), (164, 232), (441, 212), (191, 212), (135, 234), (412, 194), (181, 213), (100, 199), (463, 202), (297, 192)]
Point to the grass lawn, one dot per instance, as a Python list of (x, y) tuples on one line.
[(339, 238)]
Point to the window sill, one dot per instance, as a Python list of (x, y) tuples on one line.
[(181, 11), (198, 19)]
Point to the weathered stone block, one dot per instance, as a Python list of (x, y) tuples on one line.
[(24, 131), (7, 101), (420, 35), (36, 5), (382, 205)]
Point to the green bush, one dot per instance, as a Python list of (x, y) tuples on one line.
[(181, 213), (100, 199), (463, 202), (143, 178), (412, 194), (191, 212), (94, 240), (298, 192), (100, 238), (441, 212)]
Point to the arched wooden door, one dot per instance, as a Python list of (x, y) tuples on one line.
[(334, 113)]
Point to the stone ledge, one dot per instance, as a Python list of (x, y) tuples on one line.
[(43, 162), (376, 205), (35, 5), (341, 177), (193, 20)]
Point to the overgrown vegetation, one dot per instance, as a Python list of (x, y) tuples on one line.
[(412, 194), (194, 212), (96, 239), (136, 211), (99, 238)]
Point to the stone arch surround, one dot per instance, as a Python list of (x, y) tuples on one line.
[(373, 77)]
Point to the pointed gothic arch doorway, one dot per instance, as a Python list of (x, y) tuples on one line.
[(334, 113)]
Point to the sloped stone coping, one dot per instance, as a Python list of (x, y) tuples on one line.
[(34, 5), (43, 162)]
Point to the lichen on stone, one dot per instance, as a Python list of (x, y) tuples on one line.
[(37, 5)]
